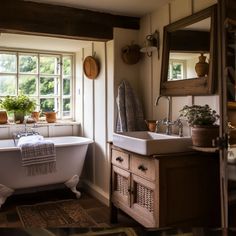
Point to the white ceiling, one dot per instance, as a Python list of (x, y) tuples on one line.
[(122, 7)]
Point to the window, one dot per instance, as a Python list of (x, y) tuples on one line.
[(47, 78), (177, 70)]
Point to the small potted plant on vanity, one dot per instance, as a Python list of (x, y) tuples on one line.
[(20, 105), (202, 120)]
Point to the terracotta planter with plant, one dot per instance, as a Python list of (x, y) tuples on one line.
[(20, 105), (202, 120), (3, 117)]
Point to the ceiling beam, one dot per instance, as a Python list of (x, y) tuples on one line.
[(60, 21)]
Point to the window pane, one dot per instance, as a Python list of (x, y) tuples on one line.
[(28, 64), (67, 66), (49, 65), (177, 70), (48, 104), (8, 63), (66, 86), (7, 85), (66, 107), (47, 86), (27, 84)]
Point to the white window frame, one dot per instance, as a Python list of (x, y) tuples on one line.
[(184, 69), (60, 96)]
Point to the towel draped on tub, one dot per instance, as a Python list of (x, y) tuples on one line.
[(38, 155)]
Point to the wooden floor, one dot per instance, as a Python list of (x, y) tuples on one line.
[(10, 223), (98, 211)]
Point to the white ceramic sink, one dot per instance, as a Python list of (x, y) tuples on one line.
[(149, 143)]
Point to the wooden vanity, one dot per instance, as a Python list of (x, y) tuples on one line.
[(179, 189)]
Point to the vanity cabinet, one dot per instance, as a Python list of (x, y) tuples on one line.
[(166, 190)]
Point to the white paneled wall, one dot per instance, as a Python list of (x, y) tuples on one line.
[(100, 121), (150, 68), (199, 5), (98, 111), (110, 89), (45, 129), (123, 71), (94, 119), (180, 9)]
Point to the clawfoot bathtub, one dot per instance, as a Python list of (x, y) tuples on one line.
[(70, 154)]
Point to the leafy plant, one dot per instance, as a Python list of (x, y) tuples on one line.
[(20, 103), (199, 115)]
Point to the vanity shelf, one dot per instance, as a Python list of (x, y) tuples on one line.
[(206, 149), (177, 189)]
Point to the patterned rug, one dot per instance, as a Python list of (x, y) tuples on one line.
[(66, 213)]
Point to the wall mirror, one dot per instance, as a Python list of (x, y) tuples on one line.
[(189, 55)]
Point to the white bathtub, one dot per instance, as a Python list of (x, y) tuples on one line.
[(70, 155)]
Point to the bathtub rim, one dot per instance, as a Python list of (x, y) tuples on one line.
[(81, 141)]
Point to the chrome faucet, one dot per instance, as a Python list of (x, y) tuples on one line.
[(25, 132), (167, 122)]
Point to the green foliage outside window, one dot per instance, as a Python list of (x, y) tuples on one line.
[(28, 64), (38, 77), (27, 84), (8, 63), (47, 86), (7, 85)]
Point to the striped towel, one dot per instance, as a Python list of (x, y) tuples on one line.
[(38, 156)]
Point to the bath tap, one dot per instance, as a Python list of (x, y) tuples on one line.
[(20, 134), (24, 132)]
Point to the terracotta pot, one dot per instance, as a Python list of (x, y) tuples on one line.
[(151, 124), (3, 117), (202, 67), (35, 115), (51, 116), (202, 136)]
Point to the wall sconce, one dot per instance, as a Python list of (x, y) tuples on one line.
[(152, 43)]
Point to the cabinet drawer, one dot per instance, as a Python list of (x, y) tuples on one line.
[(143, 166), (120, 159)]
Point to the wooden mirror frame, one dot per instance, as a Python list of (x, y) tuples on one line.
[(195, 86)]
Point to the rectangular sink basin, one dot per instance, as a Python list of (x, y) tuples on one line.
[(149, 143)]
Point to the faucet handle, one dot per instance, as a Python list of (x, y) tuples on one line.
[(157, 126), (179, 123)]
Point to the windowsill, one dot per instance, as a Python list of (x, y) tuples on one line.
[(43, 123)]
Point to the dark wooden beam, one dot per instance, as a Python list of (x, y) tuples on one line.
[(44, 19), (190, 41), (230, 9)]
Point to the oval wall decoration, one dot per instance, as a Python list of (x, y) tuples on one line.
[(91, 67)]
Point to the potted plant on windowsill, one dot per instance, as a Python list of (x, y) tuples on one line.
[(202, 120), (21, 105)]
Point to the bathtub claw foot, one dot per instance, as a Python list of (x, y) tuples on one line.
[(72, 183), (5, 192)]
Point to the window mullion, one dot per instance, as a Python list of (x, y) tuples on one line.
[(38, 82), (17, 73), (61, 86)]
